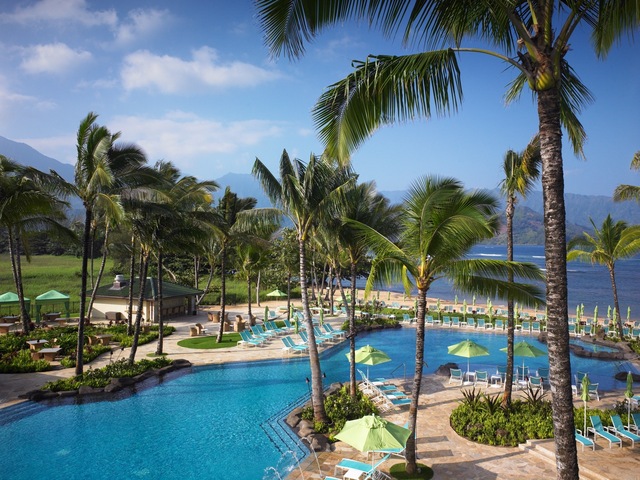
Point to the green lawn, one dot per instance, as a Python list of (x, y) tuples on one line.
[(48, 272), (228, 340)]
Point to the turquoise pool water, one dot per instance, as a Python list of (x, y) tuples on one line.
[(220, 421)]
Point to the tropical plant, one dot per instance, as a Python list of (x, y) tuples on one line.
[(607, 245), (363, 204), (521, 170), (384, 89), (629, 192), (440, 223), (306, 193)]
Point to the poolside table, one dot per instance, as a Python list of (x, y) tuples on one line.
[(5, 327), (10, 318), (104, 339), (36, 345), (47, 317), (50, 354)]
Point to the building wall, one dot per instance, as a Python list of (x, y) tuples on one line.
[(173, 307)]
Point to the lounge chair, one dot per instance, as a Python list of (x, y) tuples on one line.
[(332, 331), (272, 327), (305, 338), (586, 330), (535, 383), (347, 464), (572, 330), (446, 321), (482, 378), (525, 327), (406, 318), (456, 375), (288, 326), (471, 323), (584, 441), (599, 431), (248, 340), (636, 422), (621, 431), (260, 333), (499, 325), (543, 372), (535, 327), (429, 321), (502, 371), (455, 322), (325, 336), (292, 347), (593, 390)]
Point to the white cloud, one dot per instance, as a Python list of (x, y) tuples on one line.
[(189, 140), (141, 23), (63, 11), (52, 58), (143, 69)]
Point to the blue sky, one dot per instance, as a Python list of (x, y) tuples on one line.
[(191, 82)]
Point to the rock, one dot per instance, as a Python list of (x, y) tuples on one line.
[(445, 370), (68, 393), (86, 390), (319, 443), (305, 428), (622, 376), (293, 419), (181, 363)]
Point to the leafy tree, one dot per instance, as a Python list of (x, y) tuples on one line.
[(530, 36), (440, 223), (607, 245), (305, 193), (521, 170), (629, 192)]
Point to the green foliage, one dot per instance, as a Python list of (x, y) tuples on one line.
[(534, 396), (481, 418), (21, 362), (399, 472), (101, 377)]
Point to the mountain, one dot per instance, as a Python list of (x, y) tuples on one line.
[(26, 155)]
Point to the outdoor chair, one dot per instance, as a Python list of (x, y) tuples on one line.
[(584, 441), (332, 331), (456, 376), (471, 323), (482, 378), (535, 383), (481, 324), (446, 321), (499, 325), (525, 327), (621, 431), (593, 390), (599, 431), (636, 422), (291, 347)]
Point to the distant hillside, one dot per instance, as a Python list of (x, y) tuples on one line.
[(26, 155)]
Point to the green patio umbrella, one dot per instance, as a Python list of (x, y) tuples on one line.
[(372, 433), (584, 395), (525, 349), (369, 355), (276, 293), (628, 393), (467, 349)]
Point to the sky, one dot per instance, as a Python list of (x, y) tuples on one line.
[(192, 82)]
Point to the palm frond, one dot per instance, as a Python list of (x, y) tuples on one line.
[(383, 90)]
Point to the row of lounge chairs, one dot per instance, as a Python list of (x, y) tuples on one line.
[(521, 378), (615, 434), (384, 394)]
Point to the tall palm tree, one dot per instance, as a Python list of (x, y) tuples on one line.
[(363, 204), (531, 36), (629, 192), (521, 170), (440, 223), (305, 193), (607, 245), (100, 164), (29, 202)]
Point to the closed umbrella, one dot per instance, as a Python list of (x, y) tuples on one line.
[(473, 301), (372, 433), (585, 398), (595, 314), (609, 311), (455, 300), (524, 349), (369, 355), (629, 314), (266, 313), (628, 393), (321, 315), (467, 349), (464, 309)]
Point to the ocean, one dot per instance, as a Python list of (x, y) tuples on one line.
[(587, 284)]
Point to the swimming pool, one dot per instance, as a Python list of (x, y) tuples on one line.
[(592, 347), (213, 424)]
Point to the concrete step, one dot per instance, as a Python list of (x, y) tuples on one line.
[(537, 449)]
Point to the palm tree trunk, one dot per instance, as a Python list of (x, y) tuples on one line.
[(289, 295), (159, 349), (196, 269), (209, 280), (83, 288), (352, 334), (258, 289), (612, 275), (223, 290), (317, 391), (144, 267), (249, 296), (105, 253), (412, 466), (16, 269), (508, 381), (344, 297), (132, 270), (556, 265)]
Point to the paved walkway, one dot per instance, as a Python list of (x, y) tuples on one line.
[(450, 455)]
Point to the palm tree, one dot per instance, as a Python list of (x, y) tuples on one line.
[(439, 225), (363, 204), (521, 170), (607, 245), (29, 203), (629, 192), (384, 89), (305, 194), (100, 164)]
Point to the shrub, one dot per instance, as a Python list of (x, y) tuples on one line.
[(21, 362)]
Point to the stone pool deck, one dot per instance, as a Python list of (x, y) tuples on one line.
[(450, 455)]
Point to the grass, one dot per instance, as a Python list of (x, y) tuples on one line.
[(49, 272), (399, 471), (228, 340)]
